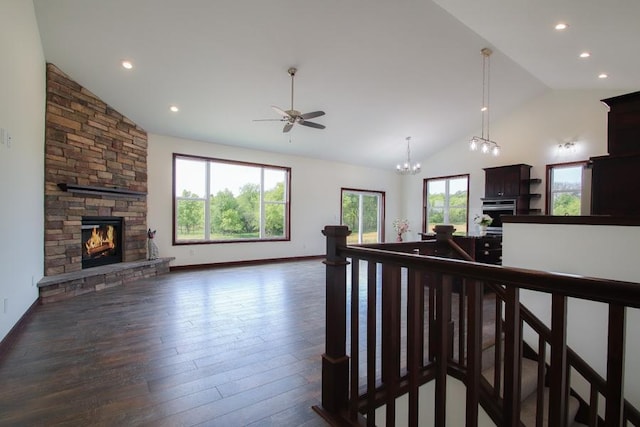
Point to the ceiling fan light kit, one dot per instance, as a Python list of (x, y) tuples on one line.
[(482, 143), (293, 116)]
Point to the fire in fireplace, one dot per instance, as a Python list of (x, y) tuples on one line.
[(102, 239)]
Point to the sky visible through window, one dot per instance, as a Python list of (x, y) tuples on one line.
[(190, 176)]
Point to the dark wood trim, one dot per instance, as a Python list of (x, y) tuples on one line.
[(7, 342), (100, 191), (244, 263), (572, 220)]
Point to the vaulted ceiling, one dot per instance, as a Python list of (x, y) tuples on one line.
[(381, 70)]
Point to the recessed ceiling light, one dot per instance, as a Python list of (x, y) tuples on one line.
[(174, 109), (561, 26), (127, 64), (603, 75), (585, 55)]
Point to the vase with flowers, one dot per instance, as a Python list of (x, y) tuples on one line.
[(401, 226), (483, 221)]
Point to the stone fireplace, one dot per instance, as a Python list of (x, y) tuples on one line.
[(95, 167), (95, 194)]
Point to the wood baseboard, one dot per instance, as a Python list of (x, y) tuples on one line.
[(9, 339), (244, 263)]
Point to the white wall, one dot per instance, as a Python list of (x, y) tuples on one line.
[(597, 251), (315, 200), (22, 102), (530, 135)]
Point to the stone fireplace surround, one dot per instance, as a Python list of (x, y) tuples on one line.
[(95, 165)]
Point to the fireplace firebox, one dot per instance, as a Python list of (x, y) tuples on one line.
[(102, 240)]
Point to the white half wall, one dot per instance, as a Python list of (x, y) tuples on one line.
[(22, 103), (315, 201)]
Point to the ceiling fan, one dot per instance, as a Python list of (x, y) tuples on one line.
[(293, 116)]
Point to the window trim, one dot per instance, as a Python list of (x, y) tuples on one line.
[(263, 166), (425, 186), (549, 168)]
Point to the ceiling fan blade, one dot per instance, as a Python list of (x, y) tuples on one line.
[(270, 120), (287, 127), (280, 111), (312, 124), (312, 115)]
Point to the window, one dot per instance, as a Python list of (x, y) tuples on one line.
[(221, 200), (363, 213), (446, 201), (564, 188)]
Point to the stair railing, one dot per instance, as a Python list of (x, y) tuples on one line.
[(395, 350)]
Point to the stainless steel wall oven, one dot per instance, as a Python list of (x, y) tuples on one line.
[(496, 208)]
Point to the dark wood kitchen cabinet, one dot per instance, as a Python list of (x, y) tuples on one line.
[(615, 184), (511, 182), (507, 181)]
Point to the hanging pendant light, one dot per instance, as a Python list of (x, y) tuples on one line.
[(484, 143), (408, 168)]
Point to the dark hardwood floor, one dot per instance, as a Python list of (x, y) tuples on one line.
[(236, 346)]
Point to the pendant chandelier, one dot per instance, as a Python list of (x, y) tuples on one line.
[(484, 143), (408, 168)]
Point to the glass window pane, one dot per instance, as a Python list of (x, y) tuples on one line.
[(369, 218), (566, 203), (190, 177), (274, 220), (274, 185), (566, 178), (190, 220), (226, 176)]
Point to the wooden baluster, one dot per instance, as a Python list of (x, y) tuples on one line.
[(497, 347), (615, 366), (372, 325), (593, 407), (335, 362), (474, 346), (558, 370), (443, 317), (355, 335), (433, 333), (542, 360), (512, 355), (391, 337), (415, 339), (461, 321)]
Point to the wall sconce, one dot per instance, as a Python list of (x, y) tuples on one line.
[(567, 147)]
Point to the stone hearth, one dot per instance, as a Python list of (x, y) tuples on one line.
[(68, 285)]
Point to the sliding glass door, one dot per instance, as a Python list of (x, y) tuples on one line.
[(363, 212)]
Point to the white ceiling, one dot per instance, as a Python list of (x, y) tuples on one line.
[(382, 70)]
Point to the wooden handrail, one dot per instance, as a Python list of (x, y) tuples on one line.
[(602, 290), (437, 274)]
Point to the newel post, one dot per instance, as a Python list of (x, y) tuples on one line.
[(335, 362)]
